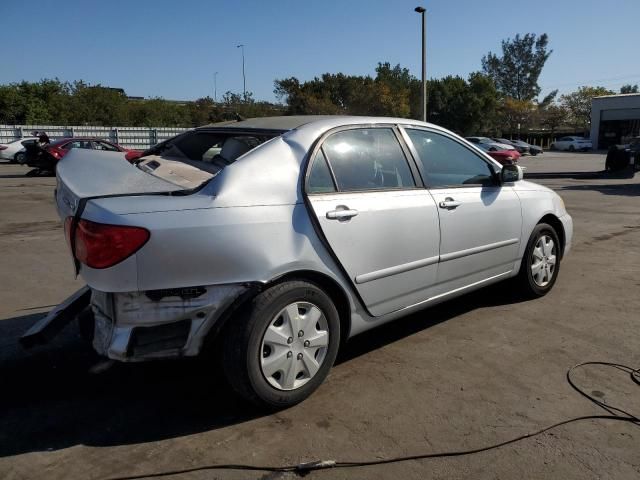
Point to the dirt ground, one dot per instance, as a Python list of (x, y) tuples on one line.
[(478, 370)]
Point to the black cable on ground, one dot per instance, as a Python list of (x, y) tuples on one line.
[(305, 468)]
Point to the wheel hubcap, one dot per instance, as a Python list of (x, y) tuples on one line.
[(543, 261), (294, 346)]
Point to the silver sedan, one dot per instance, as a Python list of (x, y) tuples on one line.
[(277, 239)]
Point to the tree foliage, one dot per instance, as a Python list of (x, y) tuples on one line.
[(53, 102), (629, 88), (578, 105), (517, 70)]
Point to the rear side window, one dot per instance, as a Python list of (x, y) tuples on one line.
[(320, 180), (78, 144), (448, 163), (105, 146), (367, 159)]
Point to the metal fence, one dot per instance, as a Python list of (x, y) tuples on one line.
[(129, 137)]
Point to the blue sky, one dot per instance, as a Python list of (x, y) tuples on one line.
[(171, 49)]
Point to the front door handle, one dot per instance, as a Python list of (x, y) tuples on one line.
[(449, 203), (341, 213)]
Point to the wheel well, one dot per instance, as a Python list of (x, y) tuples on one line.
[(332, 288), (557, 226)]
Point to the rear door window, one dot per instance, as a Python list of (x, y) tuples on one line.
[(367, 159), (105, 146)]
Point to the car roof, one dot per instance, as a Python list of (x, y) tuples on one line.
[(283, 123), (292, 122)]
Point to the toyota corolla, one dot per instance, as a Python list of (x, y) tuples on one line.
[(286, 236)]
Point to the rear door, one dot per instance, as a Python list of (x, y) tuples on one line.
[(480, 220), (377, 219)]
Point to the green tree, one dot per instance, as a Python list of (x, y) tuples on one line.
[(629, 88), (516, 115), (516, 72), (578, 105), (553, 116)]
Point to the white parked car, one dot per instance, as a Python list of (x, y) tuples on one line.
[(490, 143), (14, 151), (572, 144)]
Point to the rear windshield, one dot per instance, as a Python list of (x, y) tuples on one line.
[(193, 158)]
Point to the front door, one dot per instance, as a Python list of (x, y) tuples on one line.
[(380, 225)]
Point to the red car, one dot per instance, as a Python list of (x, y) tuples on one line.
[(60, 148), (505, 157)]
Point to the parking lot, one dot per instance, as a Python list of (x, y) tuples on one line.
[(475, 371)]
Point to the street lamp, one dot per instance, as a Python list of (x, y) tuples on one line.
[(422, 11), (215, 87), (244, 80)]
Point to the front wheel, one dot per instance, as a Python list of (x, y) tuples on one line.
[(572, 148), (19, 158), (282, 346), (540, 263)]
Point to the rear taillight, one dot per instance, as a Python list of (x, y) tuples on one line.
[(3, 147), (56, 152), (98, 245)]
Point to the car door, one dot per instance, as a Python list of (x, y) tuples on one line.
[(378, 221), (563, 143), (480, 220)]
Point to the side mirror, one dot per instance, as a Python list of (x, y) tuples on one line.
[(132, 155), (511, 173)]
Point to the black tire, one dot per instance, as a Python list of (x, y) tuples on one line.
[(19, 158), (243, 340), (552, 146), (533, 153), (86, 325), (526, 283), (572, 148)]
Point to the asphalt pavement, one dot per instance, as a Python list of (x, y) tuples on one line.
[(471, 372)]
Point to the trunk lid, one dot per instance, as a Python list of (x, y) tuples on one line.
[(82, 175)]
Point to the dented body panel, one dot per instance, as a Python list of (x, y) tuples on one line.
[(122, 319)]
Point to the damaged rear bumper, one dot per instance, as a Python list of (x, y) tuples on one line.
[(136, 326)]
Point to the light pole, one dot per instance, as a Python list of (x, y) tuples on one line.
[(422, 11), (215, 87), (244, 79)]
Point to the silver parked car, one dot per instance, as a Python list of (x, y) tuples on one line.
[(285, 236)]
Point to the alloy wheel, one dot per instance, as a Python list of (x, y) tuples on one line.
[(543, 261)]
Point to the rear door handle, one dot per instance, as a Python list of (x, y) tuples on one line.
[(449, 203), (341, 213)]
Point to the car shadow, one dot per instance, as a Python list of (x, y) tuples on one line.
[(599, 175), (625, 189), (53, 397)]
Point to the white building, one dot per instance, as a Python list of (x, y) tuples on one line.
[(614, 118)]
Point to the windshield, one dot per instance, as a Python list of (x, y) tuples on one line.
[(195, 157)]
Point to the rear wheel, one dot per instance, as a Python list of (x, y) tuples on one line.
[(281, 347), (572, 148), (540, 263)]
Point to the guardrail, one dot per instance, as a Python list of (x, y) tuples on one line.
[(139, 138)]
